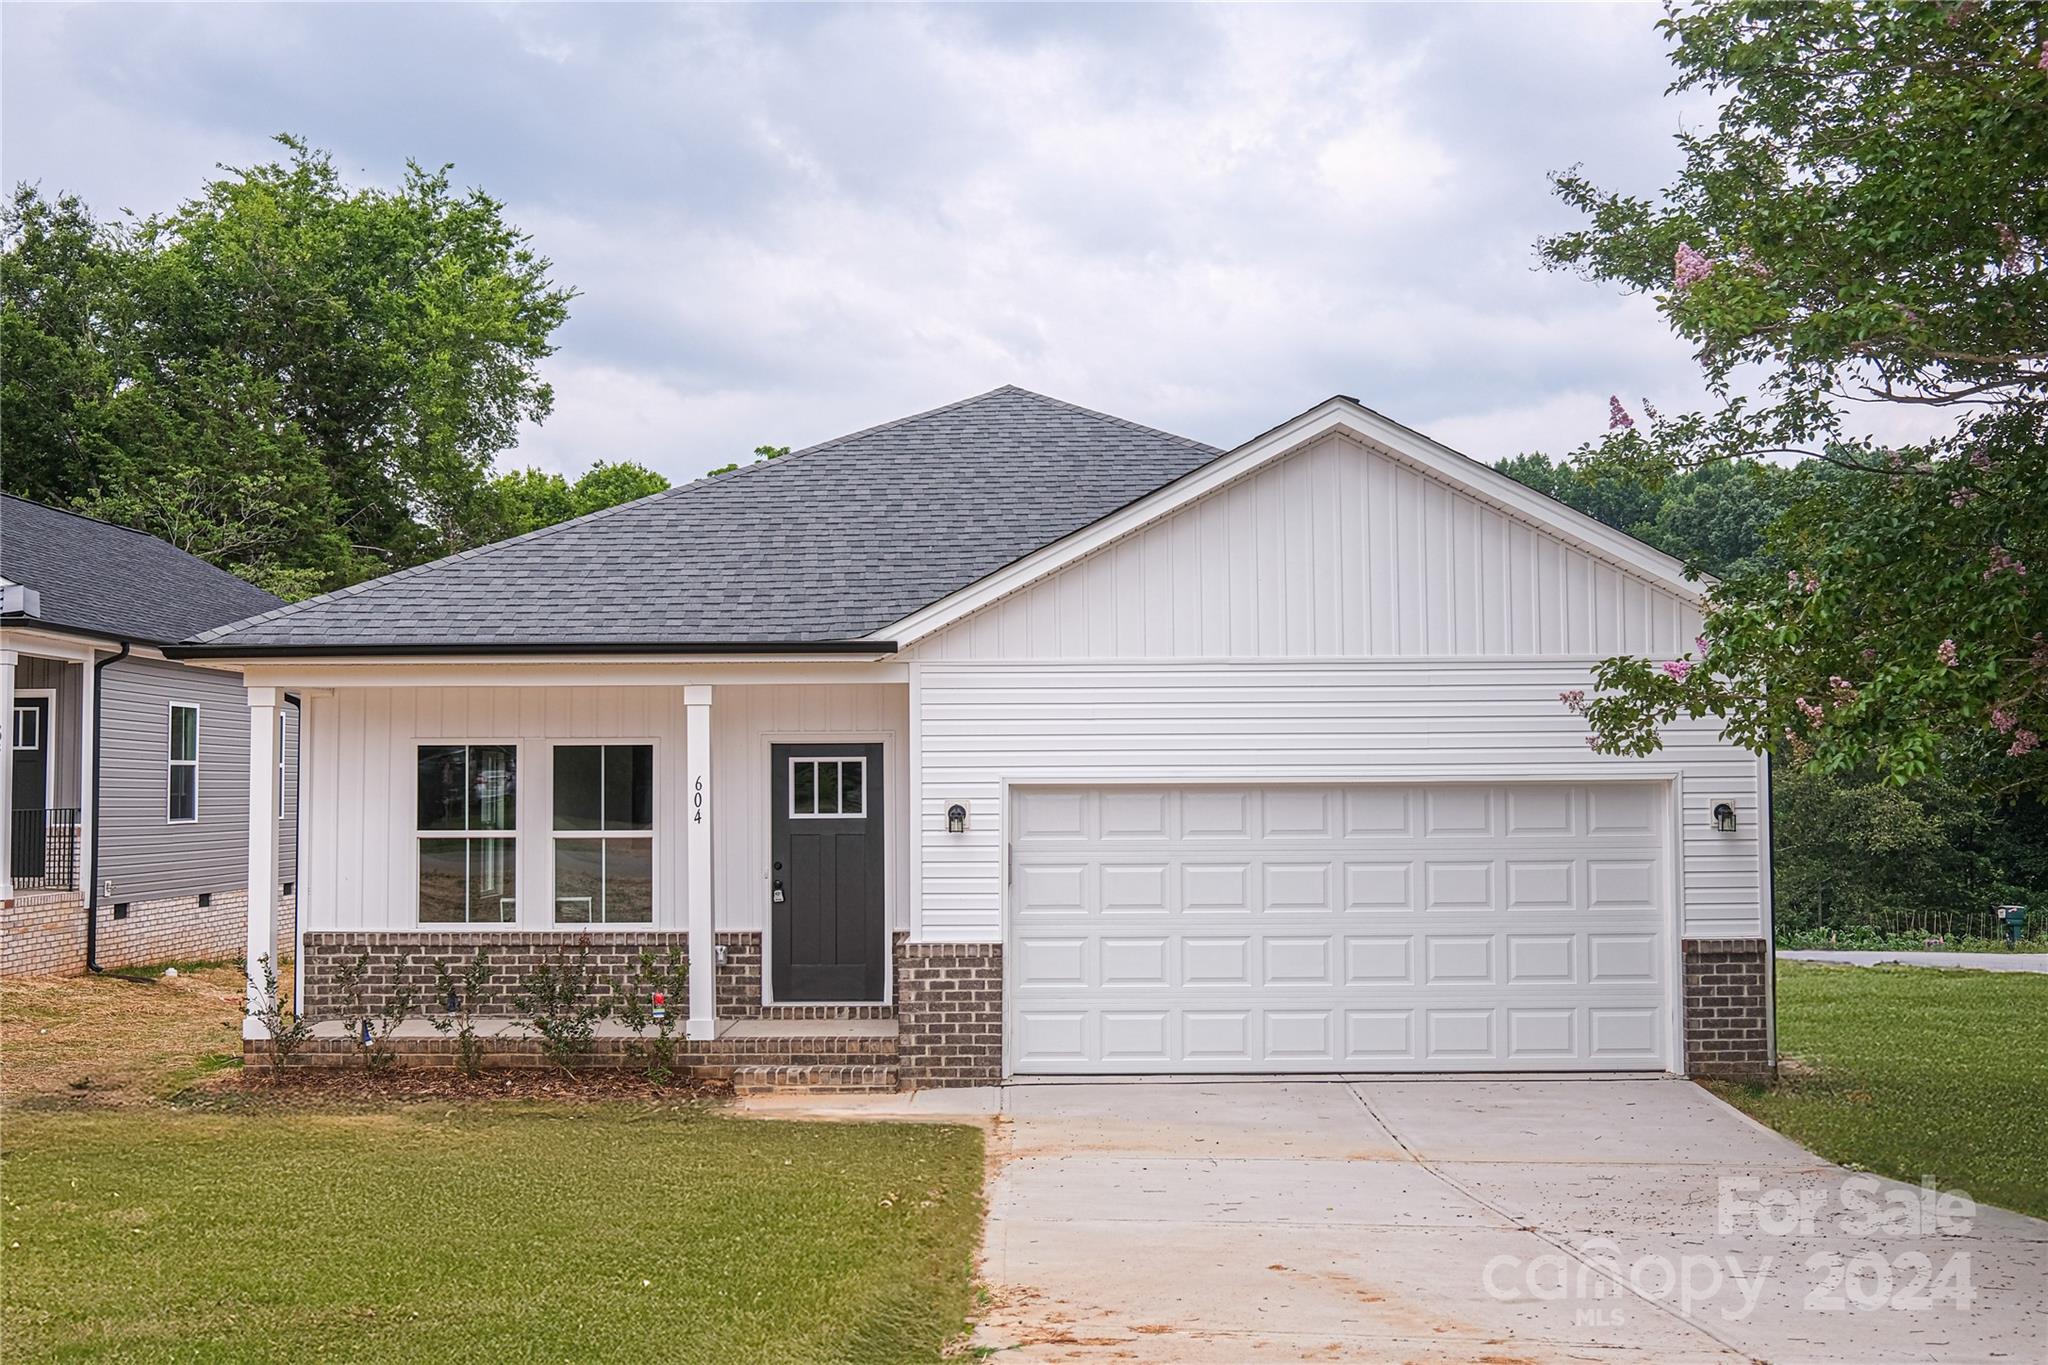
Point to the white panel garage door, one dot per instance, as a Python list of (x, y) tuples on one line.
[(1437, 928)]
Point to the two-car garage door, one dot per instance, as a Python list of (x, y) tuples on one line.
[(1337, 928)]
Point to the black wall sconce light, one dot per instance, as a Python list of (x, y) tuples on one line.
[(956, 819), (1724, 817)]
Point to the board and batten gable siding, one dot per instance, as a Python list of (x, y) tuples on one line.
[(143, 854), (361, 851), (1334, 551), (1337, 616), (67, 680)]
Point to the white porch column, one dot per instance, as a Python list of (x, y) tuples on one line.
[(703, 1021), (263, 704), (7, 660)]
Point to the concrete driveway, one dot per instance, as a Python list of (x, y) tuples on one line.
[(1474, 1220)]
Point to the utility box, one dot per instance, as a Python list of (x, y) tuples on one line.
[(2013, 919)]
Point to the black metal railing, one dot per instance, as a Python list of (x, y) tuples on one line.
[(45, 850)]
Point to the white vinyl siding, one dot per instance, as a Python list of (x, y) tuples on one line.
[(1453, 927), (361, 769), (982, 726), (1336, 551)]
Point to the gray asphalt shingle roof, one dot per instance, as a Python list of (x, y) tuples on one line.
[(111, 581), (825, 544)]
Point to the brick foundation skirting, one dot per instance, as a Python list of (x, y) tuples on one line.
[(738, 988), (949, 1013), (408, 958), (1727, 1008), (43, 933)]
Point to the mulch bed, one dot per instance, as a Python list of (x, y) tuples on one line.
[(400, 1085)]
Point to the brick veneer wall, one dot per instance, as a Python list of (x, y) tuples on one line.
[(43, 933), (949, 1013), (738, 988), (514, 955), (1727, 1008)]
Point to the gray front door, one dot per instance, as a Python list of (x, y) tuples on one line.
[(828, 938)]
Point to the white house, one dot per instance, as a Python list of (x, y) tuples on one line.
[(1072, 746)]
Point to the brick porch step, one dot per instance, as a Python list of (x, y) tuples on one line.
[(842, 1079)]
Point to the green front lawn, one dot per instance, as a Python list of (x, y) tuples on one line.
[(1908, 1071), (601, 1232)]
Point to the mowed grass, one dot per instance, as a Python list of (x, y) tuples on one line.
[(1908, 1071), (484, 1233)]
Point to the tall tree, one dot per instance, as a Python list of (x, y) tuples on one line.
[(307, 380), (1863, 226)]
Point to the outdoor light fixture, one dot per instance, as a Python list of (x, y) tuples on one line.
[(956, 819), (1724, 817)]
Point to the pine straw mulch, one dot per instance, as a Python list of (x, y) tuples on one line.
[(355, 1087)]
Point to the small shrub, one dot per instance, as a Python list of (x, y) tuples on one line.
[(371, 1028), (560, 1002), (459, 994), (288, 1031), (654, 1007)]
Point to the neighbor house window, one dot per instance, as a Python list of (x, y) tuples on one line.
[(468, 810), (827, 787), (604, 834), (184, 784), (28, 728)]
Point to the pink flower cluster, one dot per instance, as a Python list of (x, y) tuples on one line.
[(1979, 460), (1842, 690), (2023, 743), (1617, 415), (1688, 267), (2003, 720), (1813, 714), (2043, 63), (1946, 652), (1962, 497), (2003, 562), (1676, 669), (1574, 700), (1699, 645), (1807, 582)]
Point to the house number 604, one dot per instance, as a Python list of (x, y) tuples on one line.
[(697, 803)]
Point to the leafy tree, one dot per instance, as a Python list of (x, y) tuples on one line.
[(321, 376), (528, 499), (760, 453), (1864, 224)]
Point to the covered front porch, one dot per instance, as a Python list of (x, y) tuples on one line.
[(46, 702), (753, 819)]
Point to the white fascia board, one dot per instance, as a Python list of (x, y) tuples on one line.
[(559, 672), (1336, 415)]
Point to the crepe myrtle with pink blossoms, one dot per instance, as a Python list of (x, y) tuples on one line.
[(1859, 230)]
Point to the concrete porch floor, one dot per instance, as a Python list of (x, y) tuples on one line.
[(729, 1030)]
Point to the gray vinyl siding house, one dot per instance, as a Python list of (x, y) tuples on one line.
[(88, 606)]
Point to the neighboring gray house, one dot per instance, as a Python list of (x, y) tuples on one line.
[(85, 689), (1015, 739)]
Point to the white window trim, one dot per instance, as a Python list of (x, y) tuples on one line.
[(171, 764), (516, 834), (858, 760), (652, 833)]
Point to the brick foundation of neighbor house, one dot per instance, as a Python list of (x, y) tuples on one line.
[(1727, 1008), (42, 933)]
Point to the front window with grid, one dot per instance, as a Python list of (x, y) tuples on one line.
[(604, 834), (469, 855), (827, 788)]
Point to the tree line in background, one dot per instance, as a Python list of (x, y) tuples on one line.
[(1929, 855), (305, 383)]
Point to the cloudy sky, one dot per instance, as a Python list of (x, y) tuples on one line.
[(791, 222)]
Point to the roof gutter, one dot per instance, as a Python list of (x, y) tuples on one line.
[(475, 650)]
